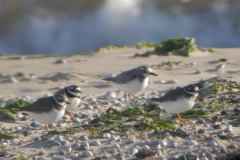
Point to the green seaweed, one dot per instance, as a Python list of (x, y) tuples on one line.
[(176, 46), (21, 157), (193, 113), (7, 135), (149, 107), (3, 147)]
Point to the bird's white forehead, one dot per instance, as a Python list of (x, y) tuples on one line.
[(78, 89)]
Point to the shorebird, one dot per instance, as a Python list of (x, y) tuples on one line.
[(179, 100), (73, 94), (47, 110), (132, 81)]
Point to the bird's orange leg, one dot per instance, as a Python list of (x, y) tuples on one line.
[(181, 117), (71, 115), (47, 128)]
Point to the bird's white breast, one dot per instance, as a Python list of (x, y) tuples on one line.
[(181, 105), (74, 103), (133, 86), (47, 118)]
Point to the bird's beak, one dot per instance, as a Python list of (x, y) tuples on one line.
[(153, 74), (79, 92), (67, 102), (199, 92)]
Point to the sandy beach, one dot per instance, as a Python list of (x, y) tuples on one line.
[(40, 77)]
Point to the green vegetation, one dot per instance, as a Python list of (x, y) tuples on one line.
[(10, 109), (3, 147), (176, 46), (21, 157), (1, 54), (7, 135), (193, 113)]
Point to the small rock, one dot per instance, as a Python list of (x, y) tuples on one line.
[(86, 154), (95, 143), (105, 156), (115, 146), (55, 143), (146, 148), (172, 81), (68, 149), (88, 106), (41, 158), (201, 121), (224, 150), (217, 126), (201, 131), (61, 61), (83, 138), (58, 138), (130, 141), (64, 142), (106, 135), (192, 142), (212, 143), (77, 120), (133, 151), (232, 146), (162, 143), (172, 144), (220, 66), (76, 145), (35, 124), (85, 144)]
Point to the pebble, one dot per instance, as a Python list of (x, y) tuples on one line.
[(105, 156), (37, 139), (77, 120), (61, 61), (35, 124), (68, 149), (88, 106), (158, 147), (224, 149), (85, 144), (95, 143), (146, 148), (162, 142), (106, 135), (133, 151), (203, 158), (172, 144), (86, 154), (201, 131), (96, 106), (201, 121), (61, 125), (111, 95), (41, 158), (160, 81), (217, 126), (228, 129), (83, 138), (172, 81), (192, 142), (76, 145), (64, 142), (115, 146), (220, 66), (55, 143), (130, 141), (212, 143), (58, 138), (12, 80), (232, 146)]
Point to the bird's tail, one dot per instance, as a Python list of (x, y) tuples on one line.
[(109, 79)]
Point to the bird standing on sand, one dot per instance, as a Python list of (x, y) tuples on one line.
[(47, 110), (73, 95), (132, 81), (179, 100)]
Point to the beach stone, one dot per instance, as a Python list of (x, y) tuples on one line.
[(172, 144), (85, 144), (68, 149), (104, 156), (41, 158), (146, 148), (55, 143), (158, 147), (111, 95), (58, 138), (210, 156), (83, 138), (133, 151), (35, 124), (130, 141), (202, 121), (61, 125), (76, 145), (201, 131), (88, 106), (106, 135), (162, 142), (228, 129), (105, 103), (217, 126), (115, 146), (220, 66), (61, 61), (86, 154), (232, 146), (37, 139), (64, 142), (203, 158), (95, 143), (192, 142), (76, 120), (224, 150), (212, 143)]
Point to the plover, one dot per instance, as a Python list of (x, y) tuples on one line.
[(73, 94), (132, 81), (179, 100), (47, 110)]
